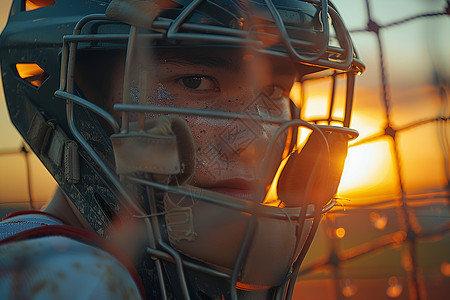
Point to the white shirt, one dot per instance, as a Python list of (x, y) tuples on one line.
[(58, 267)]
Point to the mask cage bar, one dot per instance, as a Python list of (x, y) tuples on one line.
[(326, 31), (67, 83), (170, 255), (173, 29), (65, 92), (290, 281), (251, 207), (254, 211), (209, 34), (342, 58), (67, 88), (348, 102)]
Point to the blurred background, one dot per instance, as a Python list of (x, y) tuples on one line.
[(389, 236)]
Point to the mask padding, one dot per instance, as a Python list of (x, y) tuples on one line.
[(312, 173)]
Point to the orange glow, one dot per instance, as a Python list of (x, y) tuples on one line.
[(316, 99), (399, 237), (407, 262), (272, 195), (349, 288), (35, 4), (368, 168), (313, 97), (340, 232), (445, 269), (31, 73), (361, 166), (395, 288), (424, 166), (13, 181), (272, 198), (295, 93), (378, 221), (315, 108), (251, 287), (302, 137)]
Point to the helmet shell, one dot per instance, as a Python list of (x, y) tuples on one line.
[(35, 37)]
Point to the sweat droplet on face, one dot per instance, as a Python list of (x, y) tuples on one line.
[(163, 93)]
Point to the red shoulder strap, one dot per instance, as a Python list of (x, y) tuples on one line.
[(31, 211)]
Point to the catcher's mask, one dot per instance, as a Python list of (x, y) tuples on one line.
[(168, 157)]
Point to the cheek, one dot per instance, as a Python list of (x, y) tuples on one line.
[(212, 160), (205, 132)]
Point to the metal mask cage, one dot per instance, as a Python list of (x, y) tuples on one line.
[(331, 57)]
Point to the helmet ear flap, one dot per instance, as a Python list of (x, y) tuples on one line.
[(311, 174)]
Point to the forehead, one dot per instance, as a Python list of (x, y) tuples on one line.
[(234, 59), (200, 56)]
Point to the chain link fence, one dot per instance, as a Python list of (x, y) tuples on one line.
[(393, 245)]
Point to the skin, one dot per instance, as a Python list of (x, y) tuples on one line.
[(229, 152)]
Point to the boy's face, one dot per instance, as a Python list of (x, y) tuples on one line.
[(229, 151)]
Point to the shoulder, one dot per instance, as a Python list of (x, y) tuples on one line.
[(56, 267), (61, 267)]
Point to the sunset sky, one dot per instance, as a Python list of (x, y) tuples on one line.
[(415, 52)]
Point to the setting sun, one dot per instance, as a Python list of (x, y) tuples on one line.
[(368, 167), (362, 166)]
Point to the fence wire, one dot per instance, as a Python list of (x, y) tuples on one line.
[(408, 234)]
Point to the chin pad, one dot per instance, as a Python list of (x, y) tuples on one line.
[(212, 233)]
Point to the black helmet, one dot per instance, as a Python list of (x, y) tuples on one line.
[(57, 74)]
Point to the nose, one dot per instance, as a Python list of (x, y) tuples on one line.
[(244, 141)]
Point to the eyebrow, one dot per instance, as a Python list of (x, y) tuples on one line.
[(204, 60)]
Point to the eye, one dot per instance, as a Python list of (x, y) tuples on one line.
[(198, 83)]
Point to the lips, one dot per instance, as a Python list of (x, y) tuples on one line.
[(238, 188)]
